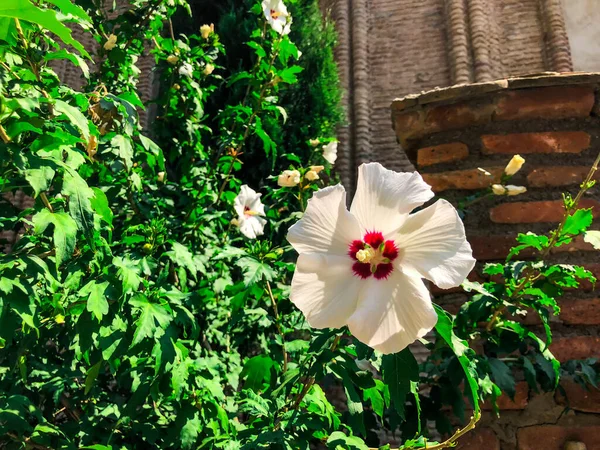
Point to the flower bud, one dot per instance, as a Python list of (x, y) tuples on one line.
[(161, 177), (173, 59), (515, 190), (208, 69), (498, 189), (288, 178), (514, 165), (314, 142), (317, 168), (311, 175), (207, 30), (176, 86), (110, 43), (147, 248)]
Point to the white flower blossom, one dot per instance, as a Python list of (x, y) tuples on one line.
[(249, 209), (364, 268), (208, 69), (207, 30), (277, 16), (515, 190), (498, 189), (330, 152), (514, 165), (110, 43), (186, 70), (288, 178)]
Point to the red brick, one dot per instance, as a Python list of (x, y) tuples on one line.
[(578, 398), (506, 404), (535, 212), (546, 103), (455, 151), (457, 115), (554, 437), (545, 142), (479, 439), (462, 179), (408, 124), (576, 347), (580, 311), (554, 176)]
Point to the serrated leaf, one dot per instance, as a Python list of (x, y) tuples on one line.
[(64, 233), (100, 204), (502, 376), (75, 116), (40, 179), (151, 317), (124, 149), (398, 370), (189, 432), (128, 272), (255, 271), (96, 303), (80, 206), (256, 372), (578, 222)]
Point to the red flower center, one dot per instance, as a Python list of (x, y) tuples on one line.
[(275, 14), (373, 256)]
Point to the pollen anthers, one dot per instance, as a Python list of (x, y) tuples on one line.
[(373, 255)]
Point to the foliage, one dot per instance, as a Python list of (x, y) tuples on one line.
[(133, 312)]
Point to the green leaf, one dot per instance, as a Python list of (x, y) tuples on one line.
[(152, 316), (288, 75), (75, 116), (128, 272), (65, 232), (45, 18), (444, 327), (339, 441), (80, 206), (100, 204), (40, 179), (124, 149), (189, 432), (374, 396), (578, 222), (399, 369), (257, 372), (91, 376), (592, 237), (182, 257), (96, 303), (254, 270), (502, 376), (68, 7)]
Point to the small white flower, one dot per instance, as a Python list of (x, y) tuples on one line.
[(186, 70), (498, 189), (515, 190), (207, 30), (249, 209), (330, 152), (110, 43), (173, 59), (288, 178), (364, 268), (311, 175), (514, 165), (208, 69), (277, 16)]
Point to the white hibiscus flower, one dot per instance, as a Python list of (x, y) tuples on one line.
[(364, 267), (330, 152), (186, 70), (277, 15), (249, 209)]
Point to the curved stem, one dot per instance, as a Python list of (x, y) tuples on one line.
[(278, 325)]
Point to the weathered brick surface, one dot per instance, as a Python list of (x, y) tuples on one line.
[(574, 311), (462, 179), (546, 103), (457, 115), (536, 212), (556, 176), (576, 347), (505, 403), (479, 439), (544, 142), (455, 151), (553, 437), (578, 398), (408, 124)]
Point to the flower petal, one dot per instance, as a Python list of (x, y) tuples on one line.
[(384, 198), (433, 242), (324, 289), (392, 313), (253, 226), (327, 226)]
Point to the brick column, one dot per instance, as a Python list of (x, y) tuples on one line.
[(553, 122)]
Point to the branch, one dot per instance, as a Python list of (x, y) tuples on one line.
[(277, 324)]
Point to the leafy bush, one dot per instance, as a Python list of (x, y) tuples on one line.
[(146, 301)]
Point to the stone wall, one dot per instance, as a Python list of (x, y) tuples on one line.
[(553, 121)]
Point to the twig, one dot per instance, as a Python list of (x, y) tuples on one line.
[(46, 202), (278, 325), (5, 137)]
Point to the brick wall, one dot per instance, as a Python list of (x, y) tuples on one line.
[(553, 121)]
